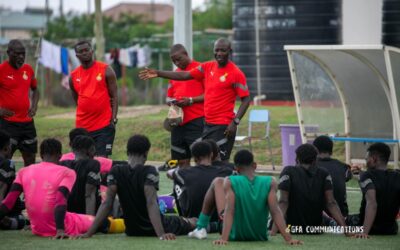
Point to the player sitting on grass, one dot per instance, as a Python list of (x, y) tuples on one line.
[(380, 194), (191, 184), (216, 159), (46, 188), (84, 197), (14, 220), (136, 185), (339, 171), (305, 191), (244, 201), (105, 163)]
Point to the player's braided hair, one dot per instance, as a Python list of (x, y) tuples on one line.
[(381, 150), (50, 146), (82, 144), (324, 144), (306, 154), (201, 149), (243, 158), (138, 145)]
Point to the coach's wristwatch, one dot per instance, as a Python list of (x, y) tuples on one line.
[(236, 121), (115, 120)]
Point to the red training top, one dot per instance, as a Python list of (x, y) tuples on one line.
[(222, 85), (93, 111), (15, 85), (191, 88)]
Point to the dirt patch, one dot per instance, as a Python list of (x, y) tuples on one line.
[(123, 112)]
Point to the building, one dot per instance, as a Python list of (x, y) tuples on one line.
[(20, 25), (159, 13)]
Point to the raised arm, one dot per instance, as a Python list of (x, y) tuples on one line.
[(228, 213), (277, 215), (147, 74), (112, 88)]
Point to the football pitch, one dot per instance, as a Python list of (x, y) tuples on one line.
[(25, 240), (150, 125)]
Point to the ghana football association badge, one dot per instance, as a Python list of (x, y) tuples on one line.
[(25, 76), (98, 77), (223, 78)]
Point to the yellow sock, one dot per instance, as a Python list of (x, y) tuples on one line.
[(116, 225)]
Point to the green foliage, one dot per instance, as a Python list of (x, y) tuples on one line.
[(70, 26), (118, 33), (218, 15)]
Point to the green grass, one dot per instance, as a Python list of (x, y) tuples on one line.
[(151, 125), (25, 240)]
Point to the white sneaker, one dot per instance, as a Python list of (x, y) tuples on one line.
[(198, 234)]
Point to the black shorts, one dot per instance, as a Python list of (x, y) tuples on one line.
[(104, 139), (182, 137), (176, 225), (23, 135), (217, 133)]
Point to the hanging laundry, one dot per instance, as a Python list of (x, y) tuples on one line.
[(144, 57), (64, 61), (133, 55), (74, 61), (134, 59), (124, 57), (116, 65), (108, 59), (50, 56)]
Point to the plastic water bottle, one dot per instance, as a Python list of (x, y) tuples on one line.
[(163, 206)]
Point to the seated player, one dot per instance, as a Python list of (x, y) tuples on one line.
[(339, 171), (14, 220), (216, 159), (380, 194), (191, 184), (46, 187), (105, 163), (305, 191), (244, 201), (84, 197), (136, 185)]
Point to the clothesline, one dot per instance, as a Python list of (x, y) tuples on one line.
[(63, 60)]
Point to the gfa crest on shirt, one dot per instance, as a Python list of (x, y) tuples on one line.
[(223, 78), (98, 77), (25, 76)]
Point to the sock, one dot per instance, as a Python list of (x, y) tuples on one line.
[(116, 225), (203, 221)]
